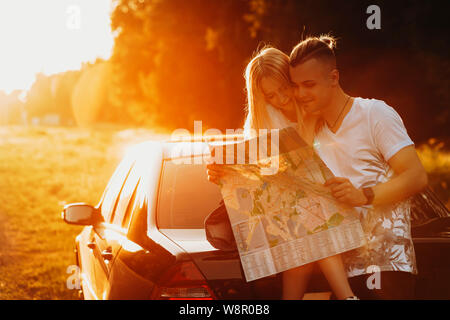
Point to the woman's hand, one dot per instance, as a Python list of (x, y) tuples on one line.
[(215, 172)]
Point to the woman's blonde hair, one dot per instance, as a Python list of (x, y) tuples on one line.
[(272, 63)]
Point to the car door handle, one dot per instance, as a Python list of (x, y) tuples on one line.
[(107, 254), (91, 245)]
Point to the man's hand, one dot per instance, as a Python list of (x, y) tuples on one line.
[(410, 177), (344, 191)]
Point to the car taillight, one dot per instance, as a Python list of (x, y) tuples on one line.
[(183, 282)]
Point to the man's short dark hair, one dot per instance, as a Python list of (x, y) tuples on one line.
[(320, 48)]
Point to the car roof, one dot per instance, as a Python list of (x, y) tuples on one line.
[(183, 147)]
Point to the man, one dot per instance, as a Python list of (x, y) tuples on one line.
[(366, 146)]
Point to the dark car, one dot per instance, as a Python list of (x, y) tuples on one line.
[(146, 237)]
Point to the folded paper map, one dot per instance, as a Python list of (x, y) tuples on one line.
[(281, 214)]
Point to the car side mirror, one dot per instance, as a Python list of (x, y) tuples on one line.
[(81, 214)]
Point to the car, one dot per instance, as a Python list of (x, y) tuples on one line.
[(145, 239)]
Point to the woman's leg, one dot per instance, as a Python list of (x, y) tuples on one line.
[(295, 281), (333, 269)]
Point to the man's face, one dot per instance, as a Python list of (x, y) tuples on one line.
[(314, 82)]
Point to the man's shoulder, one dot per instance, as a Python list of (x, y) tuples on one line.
[(375, 109), (370, 105)]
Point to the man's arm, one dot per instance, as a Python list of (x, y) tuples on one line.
[(410, 178)]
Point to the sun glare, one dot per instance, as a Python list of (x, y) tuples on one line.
[(50, 36)]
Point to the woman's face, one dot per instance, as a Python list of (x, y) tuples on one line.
[(279, 95)]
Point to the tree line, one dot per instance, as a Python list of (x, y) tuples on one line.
[(176, 61)]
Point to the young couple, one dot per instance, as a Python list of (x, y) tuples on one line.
[(366, 146)]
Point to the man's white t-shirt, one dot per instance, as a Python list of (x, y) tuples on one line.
[(370, 134)]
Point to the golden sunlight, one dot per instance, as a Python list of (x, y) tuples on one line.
[(50, 36)]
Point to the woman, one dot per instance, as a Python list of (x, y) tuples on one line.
[(270, 105)]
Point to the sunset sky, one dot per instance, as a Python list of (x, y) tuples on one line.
[(50, 36)]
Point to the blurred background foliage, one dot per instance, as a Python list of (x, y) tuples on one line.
[(176, 61)]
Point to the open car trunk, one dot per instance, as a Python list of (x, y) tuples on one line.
[(223, 271)]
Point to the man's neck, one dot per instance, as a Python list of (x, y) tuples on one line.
[(334, 113)]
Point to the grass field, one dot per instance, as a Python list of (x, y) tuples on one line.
[(42, 169)]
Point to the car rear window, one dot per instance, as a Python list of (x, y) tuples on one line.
[(186, 196)]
